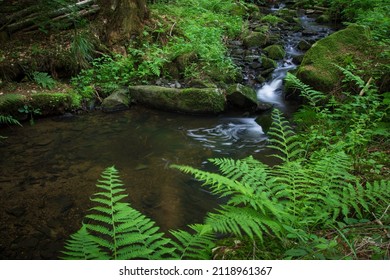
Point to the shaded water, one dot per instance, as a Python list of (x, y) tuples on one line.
[(49, 171)]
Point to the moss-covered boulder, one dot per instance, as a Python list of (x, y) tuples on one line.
[(241, 96), (268, 63), (47, 103), (351, 44), (117, 101), (188, 100), (275, 52), (255, 39)]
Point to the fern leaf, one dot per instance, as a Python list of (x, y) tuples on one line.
[(9, 120), (195, 246), (283, 139), (313, 96), (82, 246), (242, 220), (115, 229)]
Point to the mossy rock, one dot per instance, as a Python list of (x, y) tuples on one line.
[(189, 100), (238, 10), (255, 39), (241, 96), (268, 63), (47, 103), (275, 52), (318, 65), (287, 14), (119, 100), (325, 18)]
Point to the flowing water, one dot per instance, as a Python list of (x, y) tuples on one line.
[(49, 170)]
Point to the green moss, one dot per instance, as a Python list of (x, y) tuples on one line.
[(204, 99), (255, 39), (51, 103), (267, 63), (190, 100), (317, 68), (47, 103), (275, 52)]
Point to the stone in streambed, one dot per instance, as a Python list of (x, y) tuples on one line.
[(119, 100), (188, 100), (275, 52), (241, 96)]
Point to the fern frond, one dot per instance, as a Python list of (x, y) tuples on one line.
[(349, 76), (115, 229), (239, 220), (219, 184), (313, 96), (81, 246), (196, 246), (9, 120), (283, 139)]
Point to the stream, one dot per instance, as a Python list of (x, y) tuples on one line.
[(49, 170)]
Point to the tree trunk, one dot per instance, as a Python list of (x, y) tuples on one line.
[(122, 19)]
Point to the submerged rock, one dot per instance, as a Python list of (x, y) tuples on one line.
[(188, 100)]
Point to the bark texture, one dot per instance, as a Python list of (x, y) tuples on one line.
[(122, 19)]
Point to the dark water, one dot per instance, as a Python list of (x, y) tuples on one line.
[(49, 170)]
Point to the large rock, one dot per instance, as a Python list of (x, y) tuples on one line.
[(275, 52), (188, 100), (318, 65), (47, 103), (241, 96), (117, 101), (255, 39), (268, 63)]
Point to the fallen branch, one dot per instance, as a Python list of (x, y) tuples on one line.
[(34, 17)]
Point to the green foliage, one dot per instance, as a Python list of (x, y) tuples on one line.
[(81, 49), (107, 74), (193, 246), (43, 79), (115, 230), (314, 97), (283, 138), (9, 120), (290, 200), (372, 13), (359, 114), (31, 111), (272, 19)]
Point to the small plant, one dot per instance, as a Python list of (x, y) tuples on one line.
[(115, 230), (29, 110), (44, 80), (272, 20)]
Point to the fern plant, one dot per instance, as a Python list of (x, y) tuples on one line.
[(9, 120), (117, 231), (298, 194), (43, 79)]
